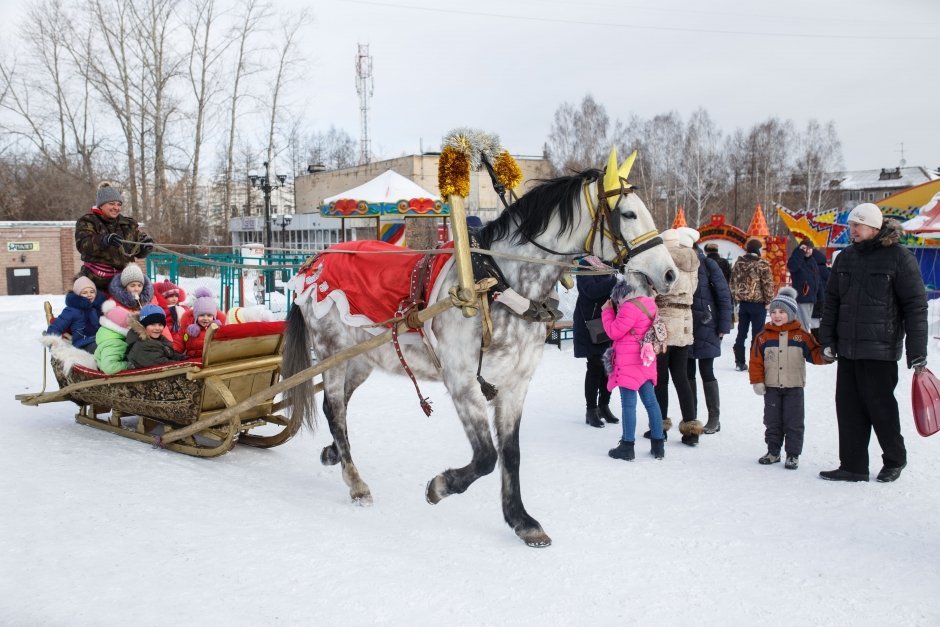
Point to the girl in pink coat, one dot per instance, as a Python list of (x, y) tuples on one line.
[(626, 317)]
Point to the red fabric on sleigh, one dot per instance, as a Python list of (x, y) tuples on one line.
[(97, 374), (248, 329), (374, 284), (925, 400)]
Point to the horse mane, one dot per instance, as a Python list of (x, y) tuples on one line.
[(529, 216)]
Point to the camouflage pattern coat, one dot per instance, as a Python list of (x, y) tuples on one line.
[(91, 231), (751, 280)]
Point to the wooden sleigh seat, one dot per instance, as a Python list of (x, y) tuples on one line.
[(238, 361)]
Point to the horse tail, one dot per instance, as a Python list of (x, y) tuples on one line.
[(296, 358)]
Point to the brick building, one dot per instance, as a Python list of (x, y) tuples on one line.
[(38, 257)]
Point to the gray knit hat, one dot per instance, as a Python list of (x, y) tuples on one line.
[(107, 193), (786, 300), (132, 273)]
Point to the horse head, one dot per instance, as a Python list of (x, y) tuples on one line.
[(622, 228)]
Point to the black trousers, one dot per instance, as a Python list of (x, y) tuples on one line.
[(707, 367), (675, 361), (595, 383), (784, 420), (865, 401)]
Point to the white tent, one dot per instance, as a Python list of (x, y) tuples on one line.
[(388, 188)]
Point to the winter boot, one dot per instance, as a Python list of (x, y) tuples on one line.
[(792, 463), (604, 412), (690, 430), (711, 401), (658, 448), (739, 363), (667, 425), (592, 418), (769, 458), (623, 451)]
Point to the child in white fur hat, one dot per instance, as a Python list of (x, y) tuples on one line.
[(778, 373)]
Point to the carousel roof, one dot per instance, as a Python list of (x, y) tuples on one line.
[(389, 193)]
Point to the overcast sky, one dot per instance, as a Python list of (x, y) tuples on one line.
[(505, 66)]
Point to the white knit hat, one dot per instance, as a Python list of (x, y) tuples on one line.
[(132, 273), (687, 236), (868, 214)]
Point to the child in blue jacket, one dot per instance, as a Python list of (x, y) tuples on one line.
[(81, 314)]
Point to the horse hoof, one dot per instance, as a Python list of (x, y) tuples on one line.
[(537, 539), (362, 500), (329, 456), (435, 491)]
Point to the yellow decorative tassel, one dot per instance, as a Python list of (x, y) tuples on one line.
[(453, 173), (507, 170)]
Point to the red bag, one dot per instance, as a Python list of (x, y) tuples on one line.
[(925, 399)]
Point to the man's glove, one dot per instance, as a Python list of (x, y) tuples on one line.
[(111, 239), (918, 363), (829, 354), (193, 330), (759, 389), (146, 244)]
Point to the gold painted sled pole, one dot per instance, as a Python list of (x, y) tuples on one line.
[(333, 360)]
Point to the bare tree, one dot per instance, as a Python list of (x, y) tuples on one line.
[(253, 14), (578, 138), (334, 149), (759, 160), (702, 170), (203, 74), (288, 61), (819, 153)]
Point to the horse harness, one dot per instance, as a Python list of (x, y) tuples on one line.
[(485, 271)]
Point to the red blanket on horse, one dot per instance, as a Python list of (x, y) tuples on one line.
[(366, 287)]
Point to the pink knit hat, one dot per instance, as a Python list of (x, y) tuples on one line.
[(81, 283), (116, 313), (205, 303)]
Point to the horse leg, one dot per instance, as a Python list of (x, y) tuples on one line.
[(356, 374), (508, 417), (335, 398), (471, 407)]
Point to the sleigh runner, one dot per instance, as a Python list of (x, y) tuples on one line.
[(238, 361)]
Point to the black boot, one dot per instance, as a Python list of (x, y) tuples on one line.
[(667, 425), (658, 448), (623, 451), (714, 407), (592, 418), (604, 412), (739, 364)]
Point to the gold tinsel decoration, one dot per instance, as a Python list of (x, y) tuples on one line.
[(453, 173), (507, 170)]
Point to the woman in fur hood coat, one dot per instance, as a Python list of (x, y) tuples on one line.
[(675, 309)]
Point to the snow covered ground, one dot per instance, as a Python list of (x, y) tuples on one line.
[(100, 530)]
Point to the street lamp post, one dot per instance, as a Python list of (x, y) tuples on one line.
[(283, 221), (266, 185)]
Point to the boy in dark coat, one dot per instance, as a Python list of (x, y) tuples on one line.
[(80, 316), (805, 279), (146, 344)]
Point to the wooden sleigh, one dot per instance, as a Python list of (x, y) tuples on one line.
[(239, 361)]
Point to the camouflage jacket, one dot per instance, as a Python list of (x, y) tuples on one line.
[(752, 280), (92, 228)]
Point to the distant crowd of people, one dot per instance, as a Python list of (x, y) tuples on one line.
[(860, 313)]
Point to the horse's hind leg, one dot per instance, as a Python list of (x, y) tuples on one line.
[(334, 388), (508, 417), (356, 374), (471, 407)]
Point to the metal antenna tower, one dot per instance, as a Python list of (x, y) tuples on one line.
[(364, 89)]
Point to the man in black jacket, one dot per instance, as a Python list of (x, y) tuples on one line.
[(874, 297)]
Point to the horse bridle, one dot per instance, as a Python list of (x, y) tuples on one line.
[(606, 220)]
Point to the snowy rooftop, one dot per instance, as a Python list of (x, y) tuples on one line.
[(884, 178)]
